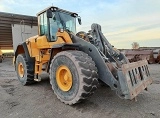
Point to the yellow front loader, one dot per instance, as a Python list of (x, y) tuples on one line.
[(76, 65)]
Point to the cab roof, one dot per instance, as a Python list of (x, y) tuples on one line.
[(57, 9)]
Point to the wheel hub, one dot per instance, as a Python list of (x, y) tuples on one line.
[(21, 70), (64, 78)]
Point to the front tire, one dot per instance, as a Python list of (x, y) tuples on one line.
[(73, 76), (24, 73)]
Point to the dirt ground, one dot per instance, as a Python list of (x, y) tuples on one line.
[(39, 101)]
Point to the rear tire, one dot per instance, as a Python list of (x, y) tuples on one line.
[(84, 76), (25, 75)]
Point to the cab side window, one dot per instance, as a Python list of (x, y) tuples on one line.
[(43, 24)]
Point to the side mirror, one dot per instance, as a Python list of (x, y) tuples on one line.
[(79, 20), (49, 13)]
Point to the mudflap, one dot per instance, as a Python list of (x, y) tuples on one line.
[(134, 78)]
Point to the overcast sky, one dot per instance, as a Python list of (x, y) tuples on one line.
[(122, 21)]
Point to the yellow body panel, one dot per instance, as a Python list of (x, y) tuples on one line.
[(65, 36), (32, 46), (39, 47)]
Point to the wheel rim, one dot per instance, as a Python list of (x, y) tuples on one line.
[(64, 78), (20, 70)]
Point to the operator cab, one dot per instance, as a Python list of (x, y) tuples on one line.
[(53, 19)]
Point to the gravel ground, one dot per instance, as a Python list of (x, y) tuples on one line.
[(39, 101)]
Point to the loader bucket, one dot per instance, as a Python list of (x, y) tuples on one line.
[(134, 77)]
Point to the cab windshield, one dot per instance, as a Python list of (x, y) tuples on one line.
[(67, 21), (61, 20)]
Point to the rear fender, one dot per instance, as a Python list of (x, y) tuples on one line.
[(22, 49)]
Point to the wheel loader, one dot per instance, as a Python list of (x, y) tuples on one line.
[(76, 62)]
